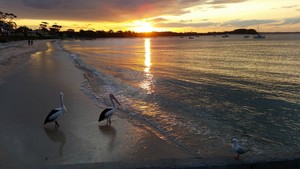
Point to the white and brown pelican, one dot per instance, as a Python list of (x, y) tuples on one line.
[(238, 149), (57, 113), (108, 112)]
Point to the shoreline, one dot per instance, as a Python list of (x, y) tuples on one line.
[(28, 96)]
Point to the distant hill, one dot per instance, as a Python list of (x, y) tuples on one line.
[(244, 31)]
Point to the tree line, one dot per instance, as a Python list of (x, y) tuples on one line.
[(9, 31)]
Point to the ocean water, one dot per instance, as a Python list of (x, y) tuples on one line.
[(201, 93)]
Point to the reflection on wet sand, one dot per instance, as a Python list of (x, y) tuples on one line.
[(111, 132), (56, 136)]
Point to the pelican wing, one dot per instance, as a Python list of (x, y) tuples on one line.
[(105, 113), (53, 115)]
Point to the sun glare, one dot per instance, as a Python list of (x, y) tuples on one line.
[(143, 27)]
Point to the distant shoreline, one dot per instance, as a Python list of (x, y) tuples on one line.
[(90, 34)]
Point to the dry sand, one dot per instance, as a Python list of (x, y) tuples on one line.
[(28, 95)]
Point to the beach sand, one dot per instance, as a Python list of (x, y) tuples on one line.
[(14, 55), (28, 95), (31, 81)]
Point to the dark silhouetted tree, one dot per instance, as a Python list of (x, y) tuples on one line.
[(43, 26), (54, 30), (70, 33), (7, 25), (23, 30)]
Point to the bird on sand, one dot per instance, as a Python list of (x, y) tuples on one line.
[(57, 113), (238, 149), (108, 112)]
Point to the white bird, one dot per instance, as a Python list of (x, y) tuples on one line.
[(238, 149), (57, 113), (108, 112)]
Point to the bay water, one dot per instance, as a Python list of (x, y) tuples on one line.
[(201, 93)]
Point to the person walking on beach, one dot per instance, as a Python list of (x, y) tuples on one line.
[(28, 42), (31, 42)]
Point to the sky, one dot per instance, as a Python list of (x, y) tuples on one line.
[(158, 15)]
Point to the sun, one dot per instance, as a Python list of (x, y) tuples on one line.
[(141, 26)]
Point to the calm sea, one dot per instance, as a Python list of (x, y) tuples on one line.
[(201, 93)]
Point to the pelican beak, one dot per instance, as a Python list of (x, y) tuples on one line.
[(113, 97), (118, 102)]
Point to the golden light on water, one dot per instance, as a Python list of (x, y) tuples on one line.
[(147, 83), (147, 53)]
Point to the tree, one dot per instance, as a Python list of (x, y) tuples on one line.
[(111, 31), (71, 30), (6, 23), (43, 26), (70, 33), (55, 28), (23, 30)]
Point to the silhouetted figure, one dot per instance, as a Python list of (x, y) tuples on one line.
[(31, 42), (28, 42)]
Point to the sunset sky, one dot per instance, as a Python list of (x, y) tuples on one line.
[(158, 15)]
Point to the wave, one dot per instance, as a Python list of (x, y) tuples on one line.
[(98, 84)]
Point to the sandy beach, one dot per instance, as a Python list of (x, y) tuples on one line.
[(32, 78), (28, 95), (13, 55)]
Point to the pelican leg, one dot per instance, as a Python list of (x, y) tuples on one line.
[(56, 124), (108, 122)]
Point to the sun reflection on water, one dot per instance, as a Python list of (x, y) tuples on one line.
[(147, 54), (147, 83)]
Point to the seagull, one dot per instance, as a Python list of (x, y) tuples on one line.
[(108, 112), (238, 149), (57, 113)]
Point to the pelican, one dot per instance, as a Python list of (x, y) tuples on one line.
[(108, 112), (57, 113), (238, 149)]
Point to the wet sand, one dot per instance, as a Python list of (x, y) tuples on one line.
[(28, 95), (15, 54)]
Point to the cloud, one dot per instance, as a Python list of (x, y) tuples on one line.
[(42, 4), (218, 6), (158, 20), (104, 10), (99, 11), (184, 25), (295, 20), (224, 1), (245, 23), (95, 10), (291, 6), (190, 1), (287, 21), (185, 21)]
